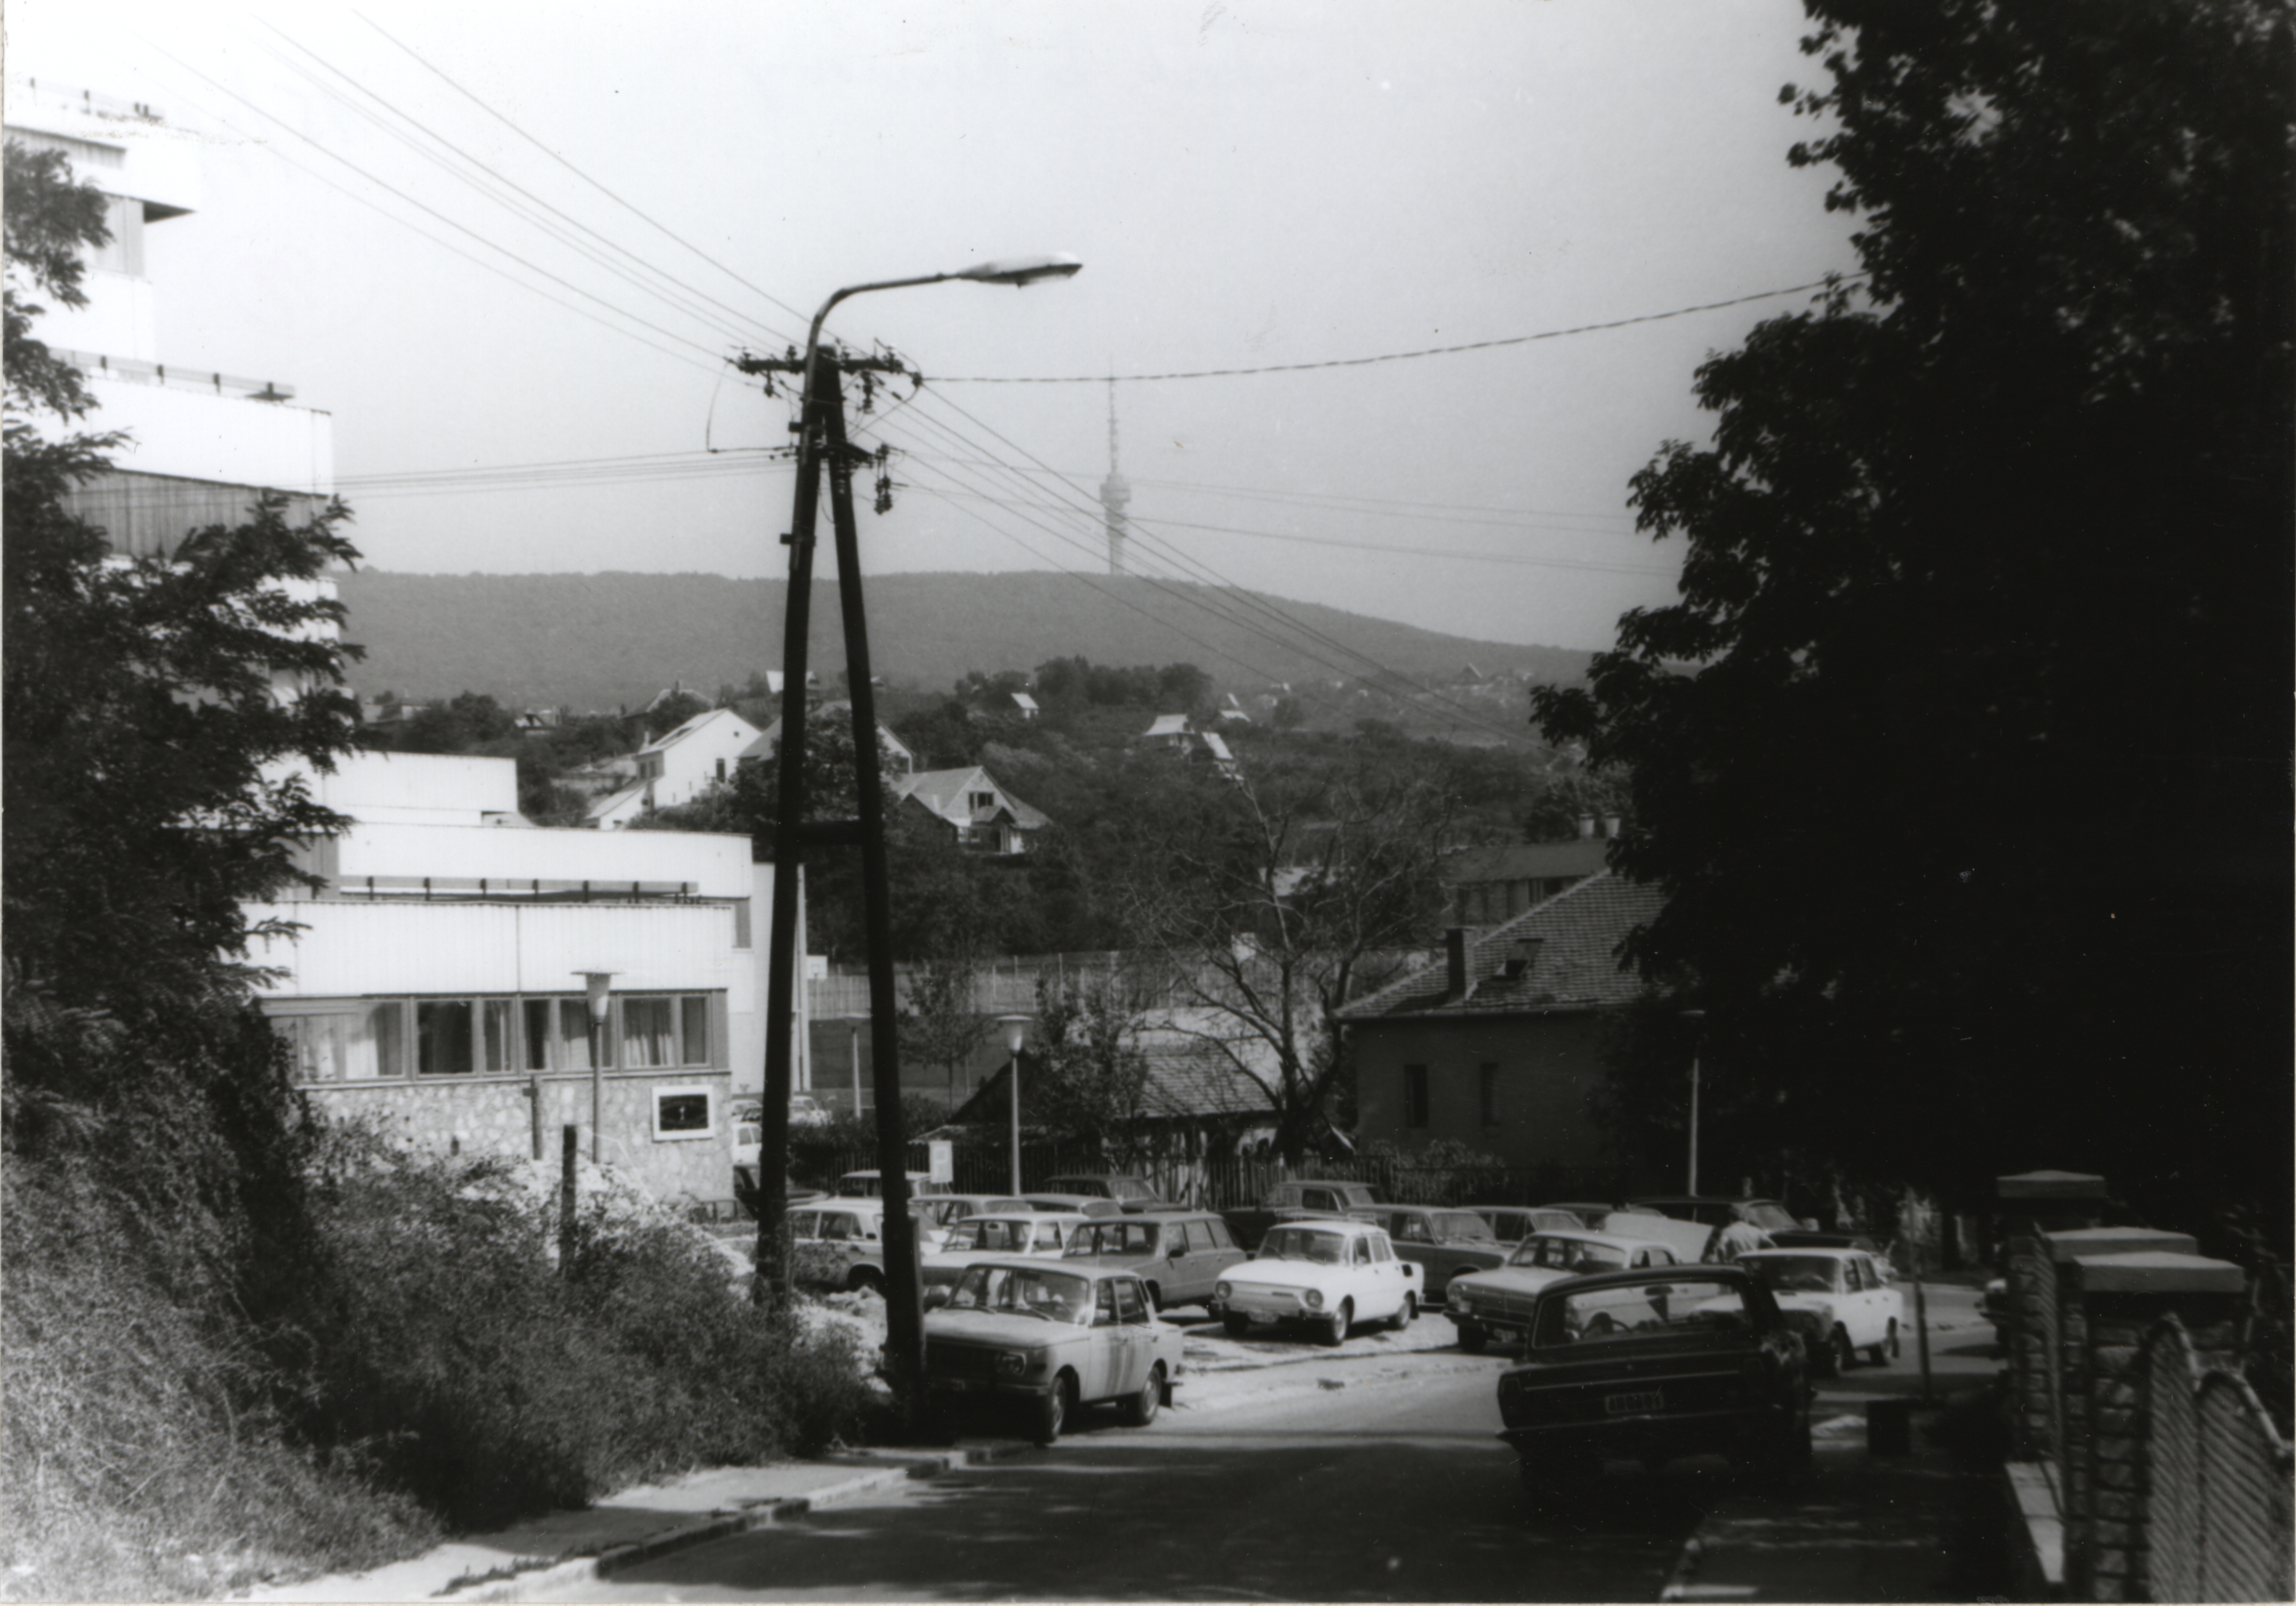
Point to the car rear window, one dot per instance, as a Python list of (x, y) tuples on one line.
[(1552, 1253), (1666, 1307), (1461, 1224)]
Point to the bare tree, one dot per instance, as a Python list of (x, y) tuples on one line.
[(1275, 896)]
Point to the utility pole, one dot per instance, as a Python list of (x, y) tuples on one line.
[(821, 444)]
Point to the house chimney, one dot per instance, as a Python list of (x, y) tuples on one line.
[(1610, 826), (1454, 953), (1586, 827)]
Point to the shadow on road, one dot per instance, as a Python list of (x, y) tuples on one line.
[(1211, 1515)]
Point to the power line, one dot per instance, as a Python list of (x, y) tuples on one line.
[(381, 183), (742, 321), (643, 217), (1299, 626), (1399, 357)]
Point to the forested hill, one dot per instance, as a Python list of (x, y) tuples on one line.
[(604, 640)]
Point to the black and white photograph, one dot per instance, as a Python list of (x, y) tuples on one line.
[(1175, 800)]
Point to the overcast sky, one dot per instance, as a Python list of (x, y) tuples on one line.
[(1249, 185)]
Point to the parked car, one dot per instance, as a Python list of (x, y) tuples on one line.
[(1006, 1233), (1441, 1243), (1180, 1255), (1079, 1204), (1512, 1224), (1326, 1274), (1692, 1242), (1688, 1361), (1837, 1299), (1291, 1200), (871, 1184), (1129, 1192), (1718, 1210), (1497, 1305), (1589, 1212), (838, 1243), (1050, 1337), (941, 1211), (1813, 1238)]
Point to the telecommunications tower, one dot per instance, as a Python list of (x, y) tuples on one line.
[(1115, 493)]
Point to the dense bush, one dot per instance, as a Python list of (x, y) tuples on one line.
[(472, 1370)]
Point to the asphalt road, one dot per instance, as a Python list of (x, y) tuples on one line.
[(1393, 1493), (1374, 1478)]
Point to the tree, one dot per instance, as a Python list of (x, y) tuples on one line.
[(1276, 898), (1963, 758), (939, 1028), (1089, 1078), (158, 710)]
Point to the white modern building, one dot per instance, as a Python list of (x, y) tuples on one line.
[(437, 983), (203, 445)]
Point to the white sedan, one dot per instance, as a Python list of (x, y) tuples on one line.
[(1008, 1232), (1326, 1274), (1839, 1300)]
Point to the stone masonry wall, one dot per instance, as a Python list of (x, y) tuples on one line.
[(492, 1115)]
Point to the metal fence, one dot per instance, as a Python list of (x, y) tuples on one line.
[(2219, 1519)]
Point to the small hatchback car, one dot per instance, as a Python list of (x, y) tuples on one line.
[(1649, 1365), (1048, 1338)]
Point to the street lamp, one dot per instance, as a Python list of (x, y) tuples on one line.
[(821, 439), (1016, 1032), (1697, 1019), (599, 985)]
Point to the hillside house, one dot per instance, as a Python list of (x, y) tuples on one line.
[(437, 983), (677, 768), (893, 753), (1179, 734), (1025, 706), (1487, 886), (985, 816), (1498, 1047)]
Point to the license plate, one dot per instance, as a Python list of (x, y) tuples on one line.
[(1263, 1318), (1645, 1399)]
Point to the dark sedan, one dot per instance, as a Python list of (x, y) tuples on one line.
[(1649, 1366)]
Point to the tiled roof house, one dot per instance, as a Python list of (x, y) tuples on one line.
[(983, 814), (1497, 1047)]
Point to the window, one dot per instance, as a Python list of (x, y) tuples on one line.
[(442, 1037), (1415, 1095), (741, 923), (1486, 1091), (666, 1030), (1131, 1303), (978, 800)]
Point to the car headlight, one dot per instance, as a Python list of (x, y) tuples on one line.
[(1222, 1290), (1012, 1362), (1312, 1298), (1460, 1299)]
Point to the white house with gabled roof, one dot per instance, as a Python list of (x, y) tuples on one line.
[(678, 767)]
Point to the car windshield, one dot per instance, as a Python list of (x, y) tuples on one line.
[(1553, 1252), (1663, 1308), (1461, 1224), (1109, 1236), (989, 1233), (1022, 1290), (1305, 1243), (1796, 1273), (1770, 1216)]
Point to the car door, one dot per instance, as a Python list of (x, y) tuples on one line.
[(1100, 1375), (1134, 1319), (1201, 1258)]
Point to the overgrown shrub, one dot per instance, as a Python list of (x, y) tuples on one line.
[(480, 1376)]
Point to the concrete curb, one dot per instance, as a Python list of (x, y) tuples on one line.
[(545, 1578)]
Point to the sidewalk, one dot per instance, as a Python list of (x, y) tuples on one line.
[(565, 1547), (1867, 1527)]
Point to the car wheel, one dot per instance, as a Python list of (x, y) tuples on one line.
[(1054, 1409), (1140, 1410), (1404, 1316), (1472, 1338), (1237, 1326), (1786, 1456), (861, 1277), (1155, 1299), (1845, 1355), (1880, 1354), (1335, 1331)]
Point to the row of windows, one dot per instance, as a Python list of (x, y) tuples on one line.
[(1417, 1105), (367, 1039)]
